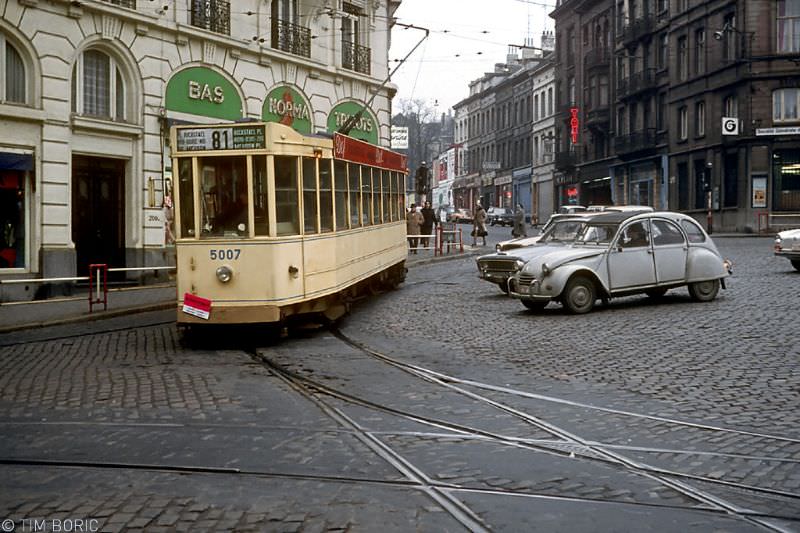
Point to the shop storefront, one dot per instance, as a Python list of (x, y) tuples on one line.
[(502, 191), (640, 183), (521, 186), (15, 172), (786, 180), (567, 190)]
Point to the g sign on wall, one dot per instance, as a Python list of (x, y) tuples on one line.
[(730, 126)]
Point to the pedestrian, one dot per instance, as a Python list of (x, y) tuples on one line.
[(413, 223), (428, 220), (519, 222), (479, 225)]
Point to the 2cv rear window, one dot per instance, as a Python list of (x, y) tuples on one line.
[(693, 231)]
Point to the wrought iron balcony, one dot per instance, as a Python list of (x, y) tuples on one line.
[(598, 116), (130, 4), (634, 143), (291, 38), (638, 28), (356, 57), (566, 160), (638, 82), (596, 58), (212, 15)]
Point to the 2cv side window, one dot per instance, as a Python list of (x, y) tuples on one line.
[(665, 233), (693, 231)]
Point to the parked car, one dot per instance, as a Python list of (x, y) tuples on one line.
[(498, 267), (460, 215), (500, 215), (787, 244), (622, 253)]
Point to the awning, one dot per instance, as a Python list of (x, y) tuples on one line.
[(9, 161)]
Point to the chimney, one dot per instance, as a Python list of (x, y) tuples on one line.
[(548, 41)]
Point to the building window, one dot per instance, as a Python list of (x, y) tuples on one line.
[(785, 103), (549, 101), (700, 51), (11, 63), (683, 124), (661, 116), (212, 15), (788, 26), (287, 33), (355, 56), (663, 50), (729, 38), (603, 96), (730, 107), (683, 58), (621, 121), (700, 119), (98, 88), (536, 107)]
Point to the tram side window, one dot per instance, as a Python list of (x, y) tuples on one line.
[(310, 195), (340, 198), (386, 194), (223, 200), (260, 201), (286, 211), (325, 196), (353, 177), (399, 195), (366, 196), (186, 198)]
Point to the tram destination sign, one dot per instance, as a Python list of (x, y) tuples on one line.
[(221, 138)]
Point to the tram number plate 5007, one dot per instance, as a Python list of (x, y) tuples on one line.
[(231, 254)]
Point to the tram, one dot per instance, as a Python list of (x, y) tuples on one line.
[(272, 224)]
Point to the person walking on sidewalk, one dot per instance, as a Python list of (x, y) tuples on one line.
[(413, 223), (479, 225), (428, 220), (519, 222)]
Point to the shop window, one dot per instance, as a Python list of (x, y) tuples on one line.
[(98, 87), (786, 172), (12, 219), (11, 63), (785, 104)]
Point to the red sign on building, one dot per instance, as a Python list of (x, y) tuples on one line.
[(573, 124), (357, 151)]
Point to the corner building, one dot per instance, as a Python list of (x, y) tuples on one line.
[(92, 87)]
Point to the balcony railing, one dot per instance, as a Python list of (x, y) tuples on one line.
[(130, 4), (598, 116), (291, 38), (356, 57), (639, 28), (596, 58), (644, 80), (639, 141), (212, 15)]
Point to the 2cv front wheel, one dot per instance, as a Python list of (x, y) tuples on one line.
[(579, 295), (704, 291)]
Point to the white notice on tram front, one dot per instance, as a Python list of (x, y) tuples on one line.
[(196, 306)]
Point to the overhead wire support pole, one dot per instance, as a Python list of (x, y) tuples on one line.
[(353, 120)]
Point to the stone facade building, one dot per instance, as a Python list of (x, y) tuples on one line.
[(91, 88)]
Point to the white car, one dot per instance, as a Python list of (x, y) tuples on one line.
[(787, 244), (622, 253)]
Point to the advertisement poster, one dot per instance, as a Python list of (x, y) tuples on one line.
[(759, 190)]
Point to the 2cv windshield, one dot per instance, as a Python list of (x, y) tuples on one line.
[(596, 234), (562, 231)]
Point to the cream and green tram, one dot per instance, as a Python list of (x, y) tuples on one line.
[(273, 224)]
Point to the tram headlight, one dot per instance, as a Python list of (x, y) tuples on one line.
[(224, 273)]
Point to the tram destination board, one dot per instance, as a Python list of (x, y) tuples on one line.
[(217, 138)]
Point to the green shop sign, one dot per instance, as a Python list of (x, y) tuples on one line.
[(365, 128), (201, 91), (289, 107)]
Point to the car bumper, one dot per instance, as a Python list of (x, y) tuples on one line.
[(496, 277), (793, 255), (527, 292)]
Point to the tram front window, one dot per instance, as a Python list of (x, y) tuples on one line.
[(286, 193), (223, 196)]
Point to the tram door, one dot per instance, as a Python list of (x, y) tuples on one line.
[(98, 211)]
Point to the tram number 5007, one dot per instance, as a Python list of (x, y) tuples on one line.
[(231, 254)]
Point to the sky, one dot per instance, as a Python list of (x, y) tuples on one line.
[(467, 37)]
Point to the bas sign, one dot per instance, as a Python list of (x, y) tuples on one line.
[(289, 107), (203, 92)]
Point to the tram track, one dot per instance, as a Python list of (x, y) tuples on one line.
[(575, 444)]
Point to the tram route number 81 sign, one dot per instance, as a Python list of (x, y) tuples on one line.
[(231, 138)]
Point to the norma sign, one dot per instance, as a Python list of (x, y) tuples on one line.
[(221, 138), (730, 126), (573, 124), (288, 106)]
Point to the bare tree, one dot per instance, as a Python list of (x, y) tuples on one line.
[(423, 127)]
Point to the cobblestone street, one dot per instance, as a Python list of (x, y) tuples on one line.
[(643, 415)]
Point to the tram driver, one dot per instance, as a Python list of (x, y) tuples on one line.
[(234, 216)]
